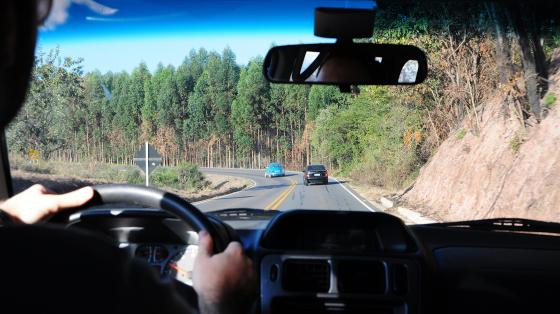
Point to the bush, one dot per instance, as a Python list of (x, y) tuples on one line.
[(377, 140), (189, 175), (135, 176), (18, 162), (549, 100), (183, 176), (461, 134), (37, 168), (397, 169), (516, 141)]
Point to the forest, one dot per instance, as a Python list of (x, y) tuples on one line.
[(212, 111)]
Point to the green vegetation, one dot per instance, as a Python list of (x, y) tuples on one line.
[(516, 141), (374, 136), (182, 177), (461, 134), (549, 100), (210, 111)]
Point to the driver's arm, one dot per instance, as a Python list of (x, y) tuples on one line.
[(37, 202), (225, 282)]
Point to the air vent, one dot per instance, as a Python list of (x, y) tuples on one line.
[(306, 275)]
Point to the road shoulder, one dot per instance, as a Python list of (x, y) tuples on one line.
[(371, 205), (219, 185), (378, 197)]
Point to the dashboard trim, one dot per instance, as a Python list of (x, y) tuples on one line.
[(271, 290)]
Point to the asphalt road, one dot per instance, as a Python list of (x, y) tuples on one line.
[(285, 193)]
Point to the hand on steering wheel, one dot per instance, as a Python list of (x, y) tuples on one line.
[(221, 280), (232, 287), (37, 202)]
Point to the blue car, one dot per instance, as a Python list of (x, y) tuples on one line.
[(274, 170)]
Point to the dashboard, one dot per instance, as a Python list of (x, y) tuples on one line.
[(312, 261), (170, 261), (355, 262), (168, 245)]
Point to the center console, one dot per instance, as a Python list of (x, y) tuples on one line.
[(351, 262)]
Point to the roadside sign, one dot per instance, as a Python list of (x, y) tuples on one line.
[(147, 159), (34, 155)]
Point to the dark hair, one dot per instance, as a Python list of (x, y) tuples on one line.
[(17, 64)]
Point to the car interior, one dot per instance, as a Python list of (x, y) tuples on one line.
[(307, 261)]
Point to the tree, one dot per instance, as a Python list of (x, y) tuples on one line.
[(249, 109), (97, 99), (321, 96), (122, 101), (187, 75), (138, 80), (54, 111)]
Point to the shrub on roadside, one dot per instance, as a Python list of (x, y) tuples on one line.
[(516, 141), (189, 175), (135, 177), (378, 140), (396, 170), (549, 100), (18, 162), (461, 134), (182, 176)]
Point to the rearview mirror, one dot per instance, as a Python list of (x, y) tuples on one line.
[(346, 63)]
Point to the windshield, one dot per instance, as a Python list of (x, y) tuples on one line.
[(172, 94)]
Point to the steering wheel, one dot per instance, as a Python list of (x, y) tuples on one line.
[(153, 198)]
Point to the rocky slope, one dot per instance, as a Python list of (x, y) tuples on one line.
[(506, 170)]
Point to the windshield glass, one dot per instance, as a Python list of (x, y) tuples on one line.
[(175, 90)]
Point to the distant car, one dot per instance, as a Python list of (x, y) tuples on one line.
[(274, 170), (315, 174)]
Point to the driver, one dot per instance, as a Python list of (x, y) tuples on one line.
[(41, 267)]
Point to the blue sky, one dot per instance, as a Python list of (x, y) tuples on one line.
[(122, 33)]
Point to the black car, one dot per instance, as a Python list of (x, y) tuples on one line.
[(315, 174)]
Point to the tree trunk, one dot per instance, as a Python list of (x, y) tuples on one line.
[(505, 67), (259, 148), (524, 35), (277, 142)]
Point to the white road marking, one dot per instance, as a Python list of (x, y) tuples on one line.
[(354, 195)]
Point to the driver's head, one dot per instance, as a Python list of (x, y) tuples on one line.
[(18, 32), (341, 69)]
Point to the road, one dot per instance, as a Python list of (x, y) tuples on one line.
[(285, 193)]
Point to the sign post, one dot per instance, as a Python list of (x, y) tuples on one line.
[(146, 168), (147, 159)]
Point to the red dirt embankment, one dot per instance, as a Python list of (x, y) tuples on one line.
[(506, 170)]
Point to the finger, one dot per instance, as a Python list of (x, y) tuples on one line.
[(205, 245), (73, 199), (234, 248), (39, 188)]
